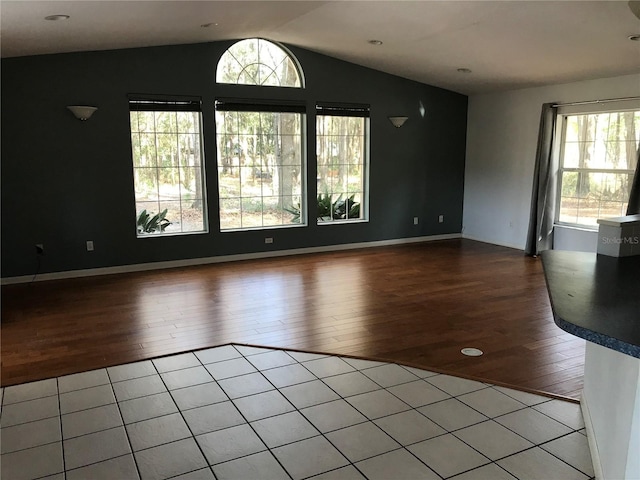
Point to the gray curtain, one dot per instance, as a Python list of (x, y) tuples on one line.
[(540, 236), (634, 198)]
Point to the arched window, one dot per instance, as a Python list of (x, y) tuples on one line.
[(258, 62)]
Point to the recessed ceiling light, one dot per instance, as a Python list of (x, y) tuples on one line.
[(207, 25), (57, 17), (635, 38), (471, 352), (464, 70), (375, 42)]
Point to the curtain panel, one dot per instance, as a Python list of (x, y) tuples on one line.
[(540, 235), (633, 207)]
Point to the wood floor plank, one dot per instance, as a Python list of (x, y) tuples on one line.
[(418, 304)]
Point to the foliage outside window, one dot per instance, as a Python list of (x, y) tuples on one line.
[(258, 62), (260, 165), (167, 168), (598, 158), (342, 144)]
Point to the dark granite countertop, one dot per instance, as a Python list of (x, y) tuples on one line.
[(596, 297)]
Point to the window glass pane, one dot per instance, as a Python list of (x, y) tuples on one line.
[(173, 215), (191, 183), (257, 62), (261, 168), (571, 154), (151, 207), (188, 150), (166, 122), (145, 154), (192, 213), (601, 150), (341, 152), (289, 179), (144, 122), (251, 212), (228, 184), (145, 182), (166, 149), (587, 196), (230, 213), (167, 168), (188, 122)]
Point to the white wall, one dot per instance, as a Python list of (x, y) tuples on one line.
[(575, 239), (502, 136), (611, 400)]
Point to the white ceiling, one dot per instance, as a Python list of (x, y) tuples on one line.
[(506, 44)]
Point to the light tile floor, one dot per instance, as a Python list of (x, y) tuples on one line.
[(237, 412)]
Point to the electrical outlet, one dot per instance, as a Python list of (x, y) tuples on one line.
[(440, 218), (415, 220), (39, 249), (268, 240), (89, 245)]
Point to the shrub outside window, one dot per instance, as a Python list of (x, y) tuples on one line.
[(167, 156), (342, 144), (598, 156)]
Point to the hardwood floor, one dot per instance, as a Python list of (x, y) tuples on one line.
[(417, 304)]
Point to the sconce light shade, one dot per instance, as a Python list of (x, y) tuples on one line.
[(398, 121), (82, 112)]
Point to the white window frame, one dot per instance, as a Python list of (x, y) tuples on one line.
[(558, 149), (358, 111), (259, 63), (243, 106), (154, 103)]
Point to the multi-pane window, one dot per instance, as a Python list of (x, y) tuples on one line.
[(260, 165), (598, 155), (258, 62), (342, 144), (167, 166)]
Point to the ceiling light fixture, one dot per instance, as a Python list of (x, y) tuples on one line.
[(207, 25), (464, 70), (634, 38), (375, 42), (55, 18)]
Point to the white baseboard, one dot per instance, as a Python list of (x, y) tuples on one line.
[(140, 267), (591, 437), (493, 242)]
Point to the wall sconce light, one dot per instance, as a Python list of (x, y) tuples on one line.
[(398, 121), (82, 112)]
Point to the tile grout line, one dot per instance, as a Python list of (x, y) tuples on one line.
[(124, 425), (229, 399), (298, 410), (411, 408), (193, 436), (367, 419), (64, 460), (269, 449), (451, 432)]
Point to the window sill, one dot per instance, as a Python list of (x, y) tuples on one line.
[(171, 234), (343, 222), (580, 228), (257, 229)]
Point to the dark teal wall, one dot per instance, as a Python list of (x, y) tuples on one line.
[(65, 182)]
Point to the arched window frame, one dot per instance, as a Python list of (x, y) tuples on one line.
[(289, 55), (261, 188)]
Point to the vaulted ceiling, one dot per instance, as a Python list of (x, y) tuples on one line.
[(505, 44)]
